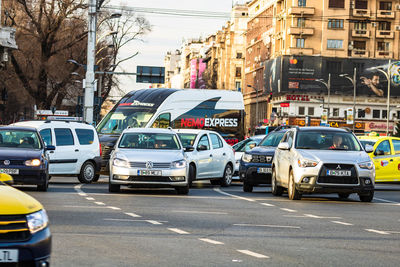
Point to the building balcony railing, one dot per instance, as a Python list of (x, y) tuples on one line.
[(301, 31), (385, 34), (365, 13), (360, 33), (387, 14), (295, 10), (300, 51), (359, 53), (384, 54)]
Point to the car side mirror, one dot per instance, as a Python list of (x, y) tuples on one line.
[(284, 146), (6, 178), (369, 148), (50, 148), (379, 153), (189, 149), (201, 148)]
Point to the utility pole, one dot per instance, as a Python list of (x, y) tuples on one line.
[(354, 98), (91, 54)]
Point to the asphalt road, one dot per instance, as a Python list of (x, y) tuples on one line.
[(215, 226)]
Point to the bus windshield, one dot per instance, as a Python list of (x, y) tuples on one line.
[(123, 117)]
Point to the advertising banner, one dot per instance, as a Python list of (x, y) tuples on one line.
[(350, 116), (324, 117)]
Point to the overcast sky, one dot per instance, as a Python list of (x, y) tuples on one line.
[(169, 31)]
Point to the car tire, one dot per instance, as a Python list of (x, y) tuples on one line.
[(344, 195), (275, 188), (43, 187), (192, 174), (293, 193), (182, 190), (114, 188), (366, 197), (87, 174), (248, 188), (96, 178), (226, 180)]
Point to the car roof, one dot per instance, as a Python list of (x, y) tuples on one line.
[(21, 128), (321, 128), (376, 138), (149, 130), (37, 124)]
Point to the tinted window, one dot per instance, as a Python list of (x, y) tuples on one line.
[(216, 142), (272, 139), (327, 140), (150, 141), (19, 139), (162, 121), (204, 142), (85, 136), (384, 148), (396, 146), (247, 144), (46, 136), (64, 137), (187, 139)]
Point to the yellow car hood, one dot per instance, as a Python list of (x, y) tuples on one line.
[(15, 202)]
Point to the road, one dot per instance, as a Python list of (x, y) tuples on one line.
[(215, 226)]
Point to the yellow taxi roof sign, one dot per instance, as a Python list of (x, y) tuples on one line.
[(373, 134)]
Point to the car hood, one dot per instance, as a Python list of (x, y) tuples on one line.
[(15, 153), (142, 155), (332, 156), (15, 202), (262, 150)]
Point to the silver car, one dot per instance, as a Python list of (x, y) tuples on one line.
[(322, 160), (149, 158)]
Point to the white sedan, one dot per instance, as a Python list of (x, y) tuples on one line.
[(212, 158), (244, 146)]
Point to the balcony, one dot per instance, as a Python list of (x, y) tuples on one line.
[(384, 54), (385, 14), (360, 33), (300, 51), (301, 31), (359, 53), (295, 10), (384, 34), (364, 13)]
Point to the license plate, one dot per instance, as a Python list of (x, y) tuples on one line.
[(264, 170), (149, 173), (9, 171), (8, 255), (338, 173)]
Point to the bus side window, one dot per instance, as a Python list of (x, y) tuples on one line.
[(163, 121)]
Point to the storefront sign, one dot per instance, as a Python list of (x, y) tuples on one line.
[(285, 105), (378, 126)]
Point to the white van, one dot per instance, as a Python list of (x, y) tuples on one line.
[(77, 152)]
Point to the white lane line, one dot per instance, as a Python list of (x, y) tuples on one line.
[(342, 223), (214, 242), (387, 201), (178, 231), (377, 232), (288, 210), (113, 208), (320, 217), (234, 196), (132, 214), (200, 212), (153, 222), (99, 203), (267, 225), (132, 220), (267, 204), (90, 198), (84, 207), (82, 194), (295, 216), (393, 232), (78, 188), (253, 254)]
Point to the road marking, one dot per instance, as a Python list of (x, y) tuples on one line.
[(113, 208), (200, 212), (153, 222), (377, 231), (234, 196), (214, 242), (178, 231), (392, 232), (132, 214), (343, 223), (267, 204), (288, 210), (99, 203), (253, 254), (295, 216), (82, 194), (131, 220), (320, 217), (84, 207), (387, 201), (267, 225), (90, 198)]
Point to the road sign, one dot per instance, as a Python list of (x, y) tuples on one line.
[(147, 74)]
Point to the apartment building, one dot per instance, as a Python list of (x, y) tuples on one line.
[(171, 64)]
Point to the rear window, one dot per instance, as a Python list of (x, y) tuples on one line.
[(85, 136), (64, 137), (187, 139)]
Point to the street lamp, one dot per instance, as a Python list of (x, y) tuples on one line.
[(328, 86), (256, 102), (354, 82)]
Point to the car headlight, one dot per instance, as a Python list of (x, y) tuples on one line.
[(118, 162), (178, 164), (366, 165), (37, 221), (247, 157), (305, 163), (33, 162)]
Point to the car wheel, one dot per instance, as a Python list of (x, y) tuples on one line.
[(43, 187), (182, 190), (87, 174), (114, 188), (344, 195), (275, 188), (248, 188), (292, 191), (96, 178), (227, 178), (192, 175), (366, 198)]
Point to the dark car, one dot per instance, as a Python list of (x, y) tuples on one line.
[(255, 165), (23, 155)]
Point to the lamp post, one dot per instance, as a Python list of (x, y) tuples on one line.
[(354, 82), (387, 75), (256, 102), (328, 86)]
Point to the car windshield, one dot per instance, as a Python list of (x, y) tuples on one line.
[(327, 140), (367, 142), (187, 139), (272, 139), (149, 141), (247, 144), (19, 139)]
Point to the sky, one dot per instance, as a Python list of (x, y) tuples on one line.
[(168, 32)]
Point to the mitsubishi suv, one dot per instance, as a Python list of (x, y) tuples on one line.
[(322, 160)]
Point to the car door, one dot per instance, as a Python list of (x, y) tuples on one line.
[(279, 153), (285, 159), (383, 161), (204, 158), (65, 157), (396, 159), (87, 145), (219, 155)]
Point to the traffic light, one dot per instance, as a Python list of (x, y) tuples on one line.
[(269, 97)]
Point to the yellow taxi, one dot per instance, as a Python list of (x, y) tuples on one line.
[(25, 238), (386, 156)]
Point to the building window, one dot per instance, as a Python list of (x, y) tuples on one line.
[(335, 44), (302, 110), (238, 72), (302, 3), (360, 113), (239, 55), (300, 42), (376, 114), (383, 46), (301, 22), (360, 45), (335, 23), (361, 4), (384, 26), (385, 5), (238, 86), (311, 111), (384, 114), (360, 25), (336, 3), (335, 112)]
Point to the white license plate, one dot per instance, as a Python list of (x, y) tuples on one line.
[(149, 173), (264, 170), (9, 171), (338, 173), (8, 255)]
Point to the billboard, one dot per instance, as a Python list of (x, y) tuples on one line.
[(197, 68), (298, 74)]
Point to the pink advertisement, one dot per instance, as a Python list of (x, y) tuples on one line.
[(197, 68)]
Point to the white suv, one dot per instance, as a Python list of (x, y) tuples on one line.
[(77, 148)]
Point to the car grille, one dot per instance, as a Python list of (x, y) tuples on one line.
[(13, 228), (156, 165), (347, 180), (149, 179), (13, 162), (261, 159)]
